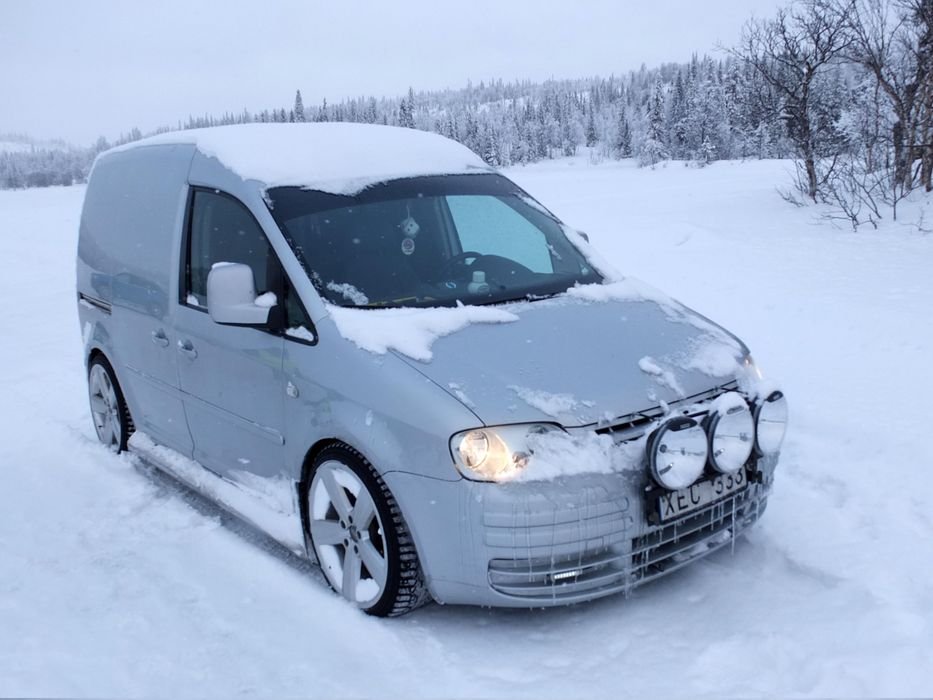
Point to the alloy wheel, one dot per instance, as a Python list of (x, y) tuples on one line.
[(348, 533), (105, 408)]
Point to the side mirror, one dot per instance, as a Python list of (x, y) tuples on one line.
[(584, 236), (231, 296)]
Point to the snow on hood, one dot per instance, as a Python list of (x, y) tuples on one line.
[(578, 363), (592, 354), (340, 158), (408, 331)]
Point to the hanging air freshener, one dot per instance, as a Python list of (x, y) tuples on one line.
[(410, 229), (409, 226)]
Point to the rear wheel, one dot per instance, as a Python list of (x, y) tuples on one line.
[(359, 536), (111, 417)]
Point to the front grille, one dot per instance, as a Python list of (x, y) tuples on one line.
[(670, 546), (553, 542), (634, 425), (558, 578), (620, 567), (542, 526)]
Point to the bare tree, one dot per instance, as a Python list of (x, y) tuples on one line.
[(789, 52), (921, 13), (894, 42)]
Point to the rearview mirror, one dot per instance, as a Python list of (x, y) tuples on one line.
[(231, 296)]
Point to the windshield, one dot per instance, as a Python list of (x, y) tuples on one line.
[(429, 241)]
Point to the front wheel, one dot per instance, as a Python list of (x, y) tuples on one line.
[(359, 536)]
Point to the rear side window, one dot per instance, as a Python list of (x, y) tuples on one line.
[(223, 230)]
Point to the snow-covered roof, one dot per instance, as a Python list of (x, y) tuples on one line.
[(339, 157)]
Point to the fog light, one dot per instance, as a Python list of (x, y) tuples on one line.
[(677, 453), (771, 423), (732, 434), (564, 575)]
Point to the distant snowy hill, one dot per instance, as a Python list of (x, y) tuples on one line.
[(14, 147), (28, 162), (21, 143)]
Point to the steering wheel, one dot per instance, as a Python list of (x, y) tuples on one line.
[(457, 260)]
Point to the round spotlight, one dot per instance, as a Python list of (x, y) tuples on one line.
[(732, 436), (677, 453), (770, 423)]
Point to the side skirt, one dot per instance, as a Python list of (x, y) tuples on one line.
[(257, 506)]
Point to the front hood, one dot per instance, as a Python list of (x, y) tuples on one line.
[(578, 362)]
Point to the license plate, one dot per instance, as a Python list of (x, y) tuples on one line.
[(673, 504)]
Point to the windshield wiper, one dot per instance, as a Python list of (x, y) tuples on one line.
[(523, 297)]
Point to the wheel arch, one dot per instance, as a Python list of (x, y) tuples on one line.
[(96, 350), (304, 482), (94, 353)]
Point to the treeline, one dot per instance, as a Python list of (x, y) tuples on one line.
[(845, 87), (700, 111)]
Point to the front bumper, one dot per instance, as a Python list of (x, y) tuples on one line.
[(539, 544)]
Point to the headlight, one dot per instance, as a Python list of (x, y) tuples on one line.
[(770, 422), (677, 452), (495, 454), (752, 369), (731, 434)]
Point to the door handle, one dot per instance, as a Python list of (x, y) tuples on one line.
[(187, 349), (159, 338)]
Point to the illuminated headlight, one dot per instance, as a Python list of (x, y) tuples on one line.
[(677, 452), (731, 434), (752, 370), (495, 454), (770, 423)]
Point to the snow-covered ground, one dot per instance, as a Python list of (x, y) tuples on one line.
[(116, 582)]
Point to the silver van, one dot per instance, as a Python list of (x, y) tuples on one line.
[(397, 363)]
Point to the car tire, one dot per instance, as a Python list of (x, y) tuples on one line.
[(359, 536), (111, 417)]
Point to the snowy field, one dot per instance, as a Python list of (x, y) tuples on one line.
[(116, 582)]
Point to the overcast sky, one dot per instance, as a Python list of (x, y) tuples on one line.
[(77, 69)]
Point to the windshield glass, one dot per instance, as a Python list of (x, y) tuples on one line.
[(429, 241)]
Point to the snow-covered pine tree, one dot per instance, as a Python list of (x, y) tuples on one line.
[(654, 150), (677, 127), (406, 111), (623, 143), (591, 136)]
